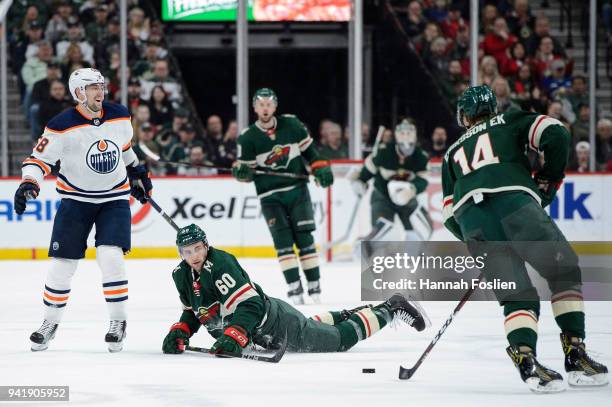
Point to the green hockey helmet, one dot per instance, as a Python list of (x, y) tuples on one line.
[(265, 93), (189, 235), (476, 101)]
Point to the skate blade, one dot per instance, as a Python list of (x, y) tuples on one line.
[(114, 347), (38, 347), (554, 386), (316, 298), (581, 379), (297, 299)]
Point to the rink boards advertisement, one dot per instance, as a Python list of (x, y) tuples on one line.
[(230, 213)]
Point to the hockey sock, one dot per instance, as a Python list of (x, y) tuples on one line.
[(568, 309), (521, 323), (329, 318), (309, 260), (362, 325), (289, 265), (114, 281), (57, 288)]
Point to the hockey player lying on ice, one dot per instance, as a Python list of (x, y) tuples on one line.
[(216, 292)]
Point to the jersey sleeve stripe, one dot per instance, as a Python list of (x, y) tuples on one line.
[(117, 119), (243, 293), (370, 166), (46, 169), (126, 147), (304, 144), (537, 129)]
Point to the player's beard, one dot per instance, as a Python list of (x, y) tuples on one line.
[(266, 123)]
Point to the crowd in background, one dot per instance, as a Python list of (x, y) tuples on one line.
[(526, 67)]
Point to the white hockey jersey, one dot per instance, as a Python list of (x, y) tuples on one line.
[(92, 154)]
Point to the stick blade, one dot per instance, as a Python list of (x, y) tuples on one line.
[(281, 351), (405, 374)]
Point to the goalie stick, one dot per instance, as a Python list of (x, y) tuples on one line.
[(274, 358), (405, 373), (158, 159)]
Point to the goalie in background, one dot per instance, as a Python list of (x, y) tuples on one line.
[(398, 167)]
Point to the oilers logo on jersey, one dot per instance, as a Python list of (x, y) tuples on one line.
[(103, 156)]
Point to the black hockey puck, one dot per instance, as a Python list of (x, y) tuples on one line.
[(366, 370)]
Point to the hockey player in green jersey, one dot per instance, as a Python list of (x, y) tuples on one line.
[(215, 291), (398, 168), (491, 196), (282, 144)]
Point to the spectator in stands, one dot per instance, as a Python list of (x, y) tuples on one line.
[(366, 140), (580, 128), (437, 11), (34, 70), (555, 110), (40, 93), (144, 67), (502, 92), (227, 150), (335, 148), (197, 158), (96, 30), (161, 76), (424, 41), (487, 71), (181, 117), (143, 115), (523, 84), (133, 92), (73, 36), (544, 58), (146, 136), (518, 58), (541, 30), (138, 25), (520, 20), (32, 48), (488, 16), (387, 136), (436, 60), (498, 42), (461, 49), (438, 146), (453, 22), (414, 24), (324, 127), (171, 149), (578, 94), (73, 60), (160, 107), (33, 35), (187, 137), (603, 146), (32, 15), (558, 83), (111, 42), (57, 26), (214, 141), (581, 160), (57, 102)]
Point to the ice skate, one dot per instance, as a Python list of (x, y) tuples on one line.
[(43, 335), (538, 378), (296, 293), (314, 291), (409, 312), (582, 371), (116, 335)]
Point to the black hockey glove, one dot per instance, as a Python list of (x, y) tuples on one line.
[(28, 189), (177, 338), (548, 188), (140, 183)]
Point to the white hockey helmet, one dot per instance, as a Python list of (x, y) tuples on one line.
[(405, 137), (80, 78)]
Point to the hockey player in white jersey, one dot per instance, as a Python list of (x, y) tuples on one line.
[(91, 144)]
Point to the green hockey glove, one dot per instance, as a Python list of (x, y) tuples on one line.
[(548, 189), (177, 338), (232, 341), (242, 172), (322, 173)]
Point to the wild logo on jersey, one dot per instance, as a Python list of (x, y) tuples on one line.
[(204, 314), (403, 175), (103, 156), (279, 157)]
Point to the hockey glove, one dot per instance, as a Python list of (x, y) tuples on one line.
[(177, 338), (548, 189), (140, 183), (242, 172), (322, 173), (28, 189), (232, 341)]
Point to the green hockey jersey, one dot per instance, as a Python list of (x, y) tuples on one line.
[(491, 157), (385, 164), (278, 149), (221, 294)]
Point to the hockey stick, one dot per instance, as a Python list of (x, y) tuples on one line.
[(274, 358), (158, 159), (163, 214), (405, 373)]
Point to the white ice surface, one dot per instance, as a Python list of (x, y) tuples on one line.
[(468, 367)]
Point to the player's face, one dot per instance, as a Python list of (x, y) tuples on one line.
[(265, 108), (406, 141), (94, 97), (194, 254)]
